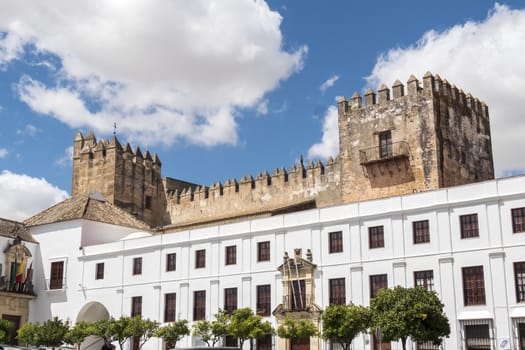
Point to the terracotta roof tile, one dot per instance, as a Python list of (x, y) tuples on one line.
[(13, 229), (91, 207)]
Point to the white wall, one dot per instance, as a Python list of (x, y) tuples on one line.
[(495, 249)]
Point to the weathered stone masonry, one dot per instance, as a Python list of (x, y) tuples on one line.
[(431, 137)]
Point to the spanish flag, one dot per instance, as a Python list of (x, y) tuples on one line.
[(20, 272)]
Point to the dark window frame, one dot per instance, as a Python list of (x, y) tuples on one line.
[(264, 299), (56, 275), (518, 220), (199, 305), (469, 226), (376, 237), (473, 285), (171, 262), (137, 266), (337, 291), (421, 231), (99, 271), (230, 300), (200, 258), (377, 282), (170, 307), (263, 251), (335, 242), (519, 280), (230, 253), (424, 279), (385, 144), (136, 306)]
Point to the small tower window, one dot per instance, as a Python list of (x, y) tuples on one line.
[(147, 202), (385, 144)]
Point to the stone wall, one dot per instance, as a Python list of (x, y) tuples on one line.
[(300, 187), (437, 137), (426, 125)]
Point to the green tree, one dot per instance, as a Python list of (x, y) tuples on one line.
[(409, 312), (244, 325), (5, 327), (342, 323), (78, 333), (51, 333), (123, 329), (212, 332), (172, 333), (296, 329)]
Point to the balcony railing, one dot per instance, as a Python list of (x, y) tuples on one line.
[(382, 153), (17, 287)]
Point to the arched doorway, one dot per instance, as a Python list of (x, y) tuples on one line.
[(92, 311)]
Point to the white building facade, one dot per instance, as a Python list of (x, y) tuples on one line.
[(467, 243)]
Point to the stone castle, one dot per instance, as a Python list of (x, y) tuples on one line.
[(430, 136)]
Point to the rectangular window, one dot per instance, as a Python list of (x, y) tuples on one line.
[(264, 300), (199, 305), (56, 280), (264, 342), (337, 291), (518, 220), (200, 258), (170, 307), (385, 144), (421, 231), (377, 282), (473, 285), (335, 242), (230, 299), (99, 274), (477, 334), (147, 202), (376, 237), (297, 295), (136, 306), (424, 279), (469, 225), (171, 262), (137, 266), (231, 255), (519, 279), (263, 251)]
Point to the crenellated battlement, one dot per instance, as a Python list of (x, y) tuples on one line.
[(433, 85), (407, 138), (317, 184), (128, 178)]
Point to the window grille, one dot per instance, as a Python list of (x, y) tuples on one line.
[(477, 334), (421, 231), (518, 220), (335, 242), (469, 226)]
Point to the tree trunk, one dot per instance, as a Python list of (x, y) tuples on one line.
[(251, 344), (404, 343)]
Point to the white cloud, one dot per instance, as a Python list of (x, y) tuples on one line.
[(483, 58), (24, 196), (328, 83), (3, 152), (163, 70), (67, 159), (329, 145), (29, 130), (262, 107)]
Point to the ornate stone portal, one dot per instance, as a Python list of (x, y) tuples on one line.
[(298, 298)]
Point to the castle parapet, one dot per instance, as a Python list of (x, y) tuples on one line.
[(316, 184)]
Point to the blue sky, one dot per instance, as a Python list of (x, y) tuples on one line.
[(222, 89)]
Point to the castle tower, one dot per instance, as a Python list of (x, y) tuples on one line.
[(128, 179), (431, 137)]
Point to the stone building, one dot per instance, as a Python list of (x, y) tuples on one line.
[(18, 248), (409, 200), (433, 136)]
